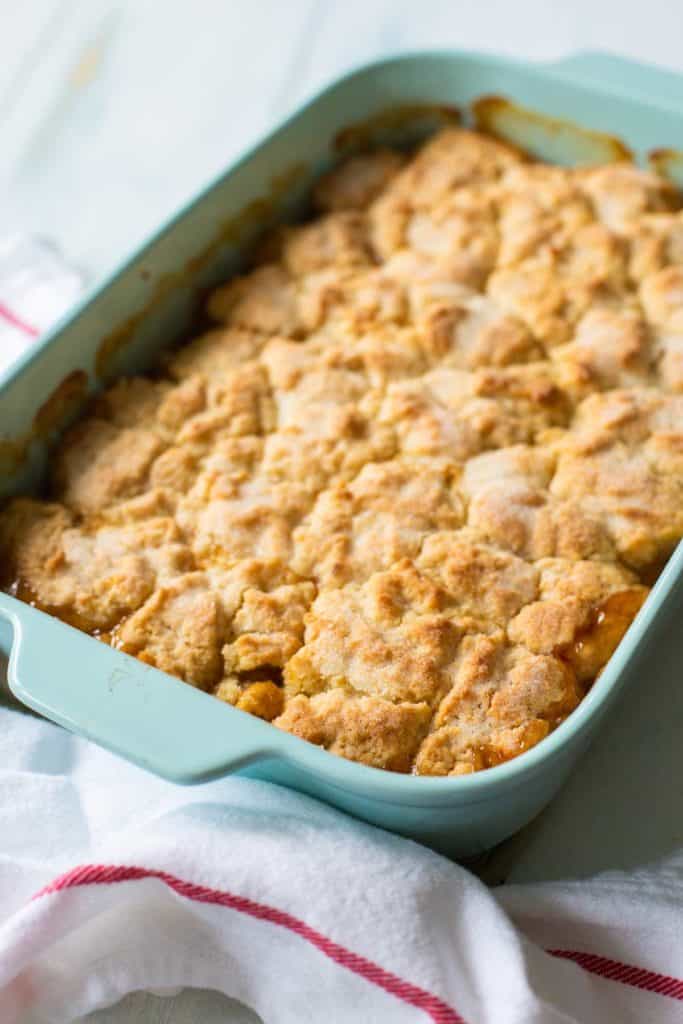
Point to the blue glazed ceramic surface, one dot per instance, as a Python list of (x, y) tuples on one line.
[(163, 724)]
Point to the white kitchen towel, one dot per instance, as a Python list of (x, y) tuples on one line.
[(36, 287), (112, 881)]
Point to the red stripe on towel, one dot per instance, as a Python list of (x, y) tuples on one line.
[(440, 1012), (16, 321), (98, 874), (627, 974)]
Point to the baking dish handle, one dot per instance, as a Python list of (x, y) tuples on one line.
[(621, 74), (126, 706)]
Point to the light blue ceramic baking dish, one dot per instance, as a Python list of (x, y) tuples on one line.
[(165, 725)]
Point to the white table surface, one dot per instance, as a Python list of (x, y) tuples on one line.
[(113, 112)]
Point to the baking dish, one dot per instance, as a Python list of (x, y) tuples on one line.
[(158, 721)]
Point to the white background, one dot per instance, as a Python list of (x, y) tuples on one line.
[(113, 112)]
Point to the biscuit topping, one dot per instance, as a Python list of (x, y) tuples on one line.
[(406, 494)]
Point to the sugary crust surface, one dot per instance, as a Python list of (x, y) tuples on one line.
[(377, 732), (92, 576), (511, 507), (406, 492), (504, 699), (380, 517), (486, 585), (356, 182), (456, 414), (583, 608), (392, 637), (178, 630)]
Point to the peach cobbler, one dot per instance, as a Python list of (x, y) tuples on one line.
[(405, 496)]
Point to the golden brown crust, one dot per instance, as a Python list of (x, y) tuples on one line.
[(92, 576), (404, 497), (469, 331), (334, 240), (541, 208), (268, 627), (485, 585), (553, 288), (622, 460), (389, 637), (238, 403), (354, 183), (452, 159), (621, 193), (265, 301), (655, 241), (511, 507), (455, 414), (179, 631), (99, 464), (237, 516), (215, 355), (382, 516), (366, 729), (610, 349), (662, 297), (582, 612), (503, 700), (459, 236)]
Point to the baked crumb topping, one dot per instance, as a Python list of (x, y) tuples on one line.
[(406, 495)]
